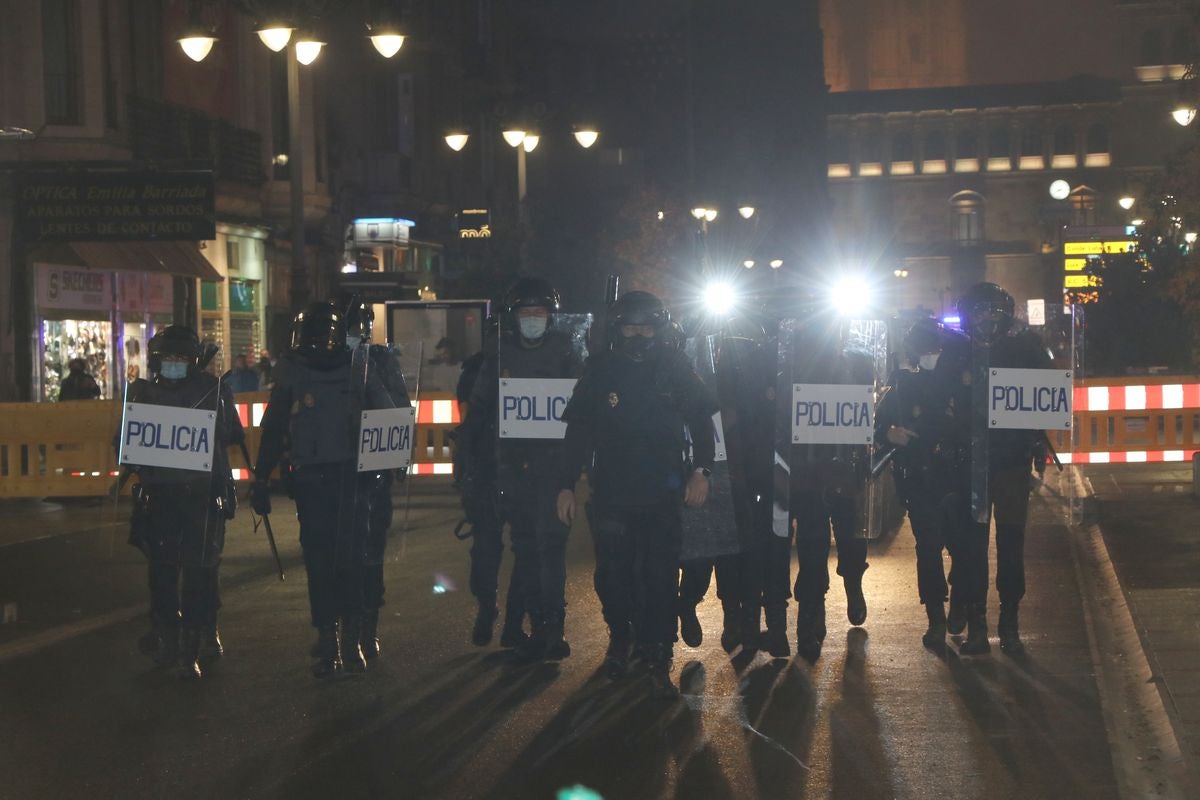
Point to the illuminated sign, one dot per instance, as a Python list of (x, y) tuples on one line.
[(1080, 281), (1075, 264), (474, 223), (1098, 248)]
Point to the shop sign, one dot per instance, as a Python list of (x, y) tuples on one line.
[(474, 223), (74, 289), (116, 206)]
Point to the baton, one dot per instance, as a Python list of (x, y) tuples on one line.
[(1053, 452), (265, 519), (877, 467)]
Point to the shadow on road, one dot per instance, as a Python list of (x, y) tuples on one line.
[(780, 707), (860, 766)]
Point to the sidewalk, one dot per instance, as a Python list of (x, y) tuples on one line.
[(1151, 526)]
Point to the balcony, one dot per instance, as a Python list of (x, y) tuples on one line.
[(164, 131)]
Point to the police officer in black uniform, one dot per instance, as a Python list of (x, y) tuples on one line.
[(827, 491), (625, 423), (528, 471), (911, 419), (986, 311), (180, 514), (360, 323), (321, 389), (745, 386)]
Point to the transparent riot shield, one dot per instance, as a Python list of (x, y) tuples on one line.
[(407, 358), (711, 530), (535, 379), (353, 486), (831, 372), (1059, 329)]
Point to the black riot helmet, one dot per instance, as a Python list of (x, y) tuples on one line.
[(637, 308), (528, 292), (924, 336), (174, 340), (360, 320), (986, 311), (319, 331), (674, 337)]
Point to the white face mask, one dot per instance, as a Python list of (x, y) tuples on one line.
[(928, 361), (353, 341), (174, 370), (532, 327)]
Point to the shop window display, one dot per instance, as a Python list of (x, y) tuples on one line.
[(64, 340)]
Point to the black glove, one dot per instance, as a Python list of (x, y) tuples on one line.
[(260, 497)]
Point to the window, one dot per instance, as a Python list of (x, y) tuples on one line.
[(902, 153), (1031, 140), (1064, 148), (233, 255), (967, 208), (935, 146), (1152, 49), (966, 144), (999, 148), (1097, 146), (60, 61), (1083, 206)]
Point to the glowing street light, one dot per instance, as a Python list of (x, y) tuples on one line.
[(1126, 202), (514, 137), (710, 214), (1184, 114), (197, 41), (530, 142), (776, 263), (748, 263), (308, 47), (699, 212), (386, 38), (746, 211), (586, 136), (275, 35), (457, 140), (1189, 237)]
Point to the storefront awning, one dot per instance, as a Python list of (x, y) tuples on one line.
[(173, 258)]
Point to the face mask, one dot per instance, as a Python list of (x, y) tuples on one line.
[(637, 347), (353, 341), (174, 370), (928, 361), (532, 327)]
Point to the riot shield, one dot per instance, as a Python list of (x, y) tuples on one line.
[(408, 357), (353, 486), (830, 376), (711, 530), (535, 379)]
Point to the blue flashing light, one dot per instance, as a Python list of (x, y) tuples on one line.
[(952, 321), (578, 792), (439, 589), (385, 221)]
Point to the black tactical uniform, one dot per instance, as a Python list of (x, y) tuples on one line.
[(527, 474), (320, 390), (745, 384), (180, 515), (914, 411), (987, 314), (625, 423), (360, 321), (828, 490)]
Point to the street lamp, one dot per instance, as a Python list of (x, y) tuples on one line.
[(586, 136), (776, 263), (514, 136), (1184, 113), (1126, 202), (710, 214), (308, 47), (386, 37), (748, 263), (275, 34), (530, 142), (457, 140), (197, 40), (746, 211)]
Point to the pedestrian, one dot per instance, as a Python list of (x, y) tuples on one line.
[(321, 390), (264, 365), (911, 422), (180, 515), (1002, 470), (79, 384), (535, 343), (625, 422), (242, 378), (384, 362)]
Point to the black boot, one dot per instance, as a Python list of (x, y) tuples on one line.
[(150, 643), (731, 627), (956, 622), (775, 641), (534, 646), (977, 633), (810, 630), (353, 662), (210, 644), (616, 657), (1010, 636), (557, 648), (935, 634), (168, 650), (189, 652), (513, 634), (689, 624), (658, 657), (370, 635), (856, 603), (485, 623), (329, 660), (749, 623)]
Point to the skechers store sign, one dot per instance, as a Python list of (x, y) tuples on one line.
[(825, 413), (531, 408), (166, 436), (1030, 399), (385, 439)]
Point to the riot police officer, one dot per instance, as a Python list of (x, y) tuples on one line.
[(911, 418), (744, 382), (625, 421), (180, 515), (321, 389), (360, 323), (527, 471), (1003, 466)]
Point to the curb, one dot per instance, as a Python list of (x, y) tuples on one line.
[(1147, 758)]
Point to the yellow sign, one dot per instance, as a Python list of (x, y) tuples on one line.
[(1075, 264), (1080, 281), (1097, 248)]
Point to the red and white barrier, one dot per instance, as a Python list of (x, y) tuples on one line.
[(1148, 397)]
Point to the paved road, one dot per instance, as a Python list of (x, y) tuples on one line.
[(83, 714)]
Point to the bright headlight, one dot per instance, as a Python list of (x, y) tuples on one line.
[(719, 298), (851, 296)]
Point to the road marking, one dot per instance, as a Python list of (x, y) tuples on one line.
[(38, 641)]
